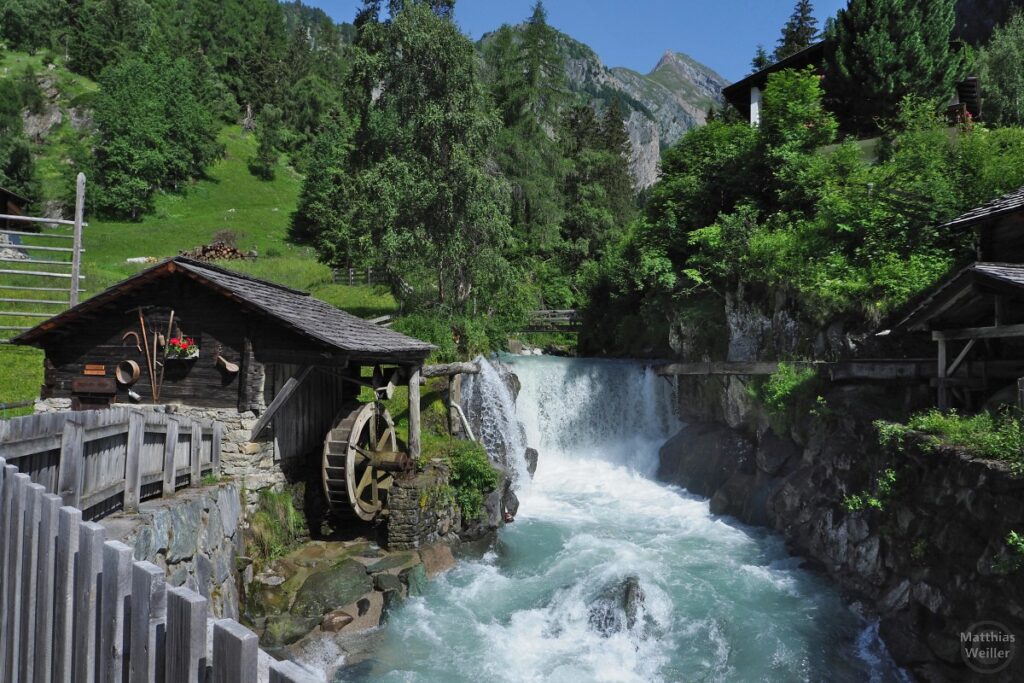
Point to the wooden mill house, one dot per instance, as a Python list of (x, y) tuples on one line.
[(279, 368)]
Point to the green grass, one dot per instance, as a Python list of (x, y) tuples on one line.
[(996, 437), (229, 198)]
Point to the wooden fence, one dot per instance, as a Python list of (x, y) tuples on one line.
[(76, 607), (356, 276), (565, 321), (22, 296), (106, 460)]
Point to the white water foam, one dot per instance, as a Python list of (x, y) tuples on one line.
[(722, 602)]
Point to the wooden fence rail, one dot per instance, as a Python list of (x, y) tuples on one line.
[(357, 276), (102, 461), (74, 606)]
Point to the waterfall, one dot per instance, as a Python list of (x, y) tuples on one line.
[(606, 574), (489, 402)]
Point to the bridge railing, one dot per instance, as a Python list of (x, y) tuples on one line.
[(76, 607)]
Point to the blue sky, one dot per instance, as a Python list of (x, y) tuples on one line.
[(634, 33)]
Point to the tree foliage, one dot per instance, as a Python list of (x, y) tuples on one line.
[(799, 33), (882, 51), (17, 169), (152, 133), (1001, 75)]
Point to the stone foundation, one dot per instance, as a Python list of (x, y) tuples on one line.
[(195, 537), (422, 508)]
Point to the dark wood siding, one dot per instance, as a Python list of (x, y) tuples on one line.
[(215, 322), (302, 423)]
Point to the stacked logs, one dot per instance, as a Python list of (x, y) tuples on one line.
[(215, 251)]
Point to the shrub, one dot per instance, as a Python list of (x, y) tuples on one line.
[(785, 392), (473, 476), (884, 487), (274, 528)]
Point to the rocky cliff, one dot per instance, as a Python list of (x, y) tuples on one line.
[(928, 555), (663, 104)]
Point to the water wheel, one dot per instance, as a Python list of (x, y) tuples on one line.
[(360, 461)]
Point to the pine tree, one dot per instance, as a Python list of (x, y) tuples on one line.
[(17, 168), (105, 31), (800, 31), (760, 61), (268, 136), (882, 51)]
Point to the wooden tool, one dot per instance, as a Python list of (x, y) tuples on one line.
[(163, 366), (149, 359)]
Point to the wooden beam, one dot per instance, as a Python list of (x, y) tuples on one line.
[(322, 359), (943, 397), (282, 397), (76, 256), (994, 332), (414, 413), (733, 367), (451, 369), (951, 370)]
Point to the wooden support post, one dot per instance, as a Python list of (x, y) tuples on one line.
[(117, 590), (133, 461), (68, 522), (76, 256), (288, 672), (943, 388), (215, 444), (235, 653), (170, 447), (48, 530), (70, 470), (186, 637), (414, 413), (6, 519), (30, 574), (196, 454), (148, 623), (12, 591), (88, 600), (454, 399)]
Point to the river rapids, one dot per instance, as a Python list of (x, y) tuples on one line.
[(713, 600)]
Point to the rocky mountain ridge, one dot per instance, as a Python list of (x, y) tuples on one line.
[(662, 105)]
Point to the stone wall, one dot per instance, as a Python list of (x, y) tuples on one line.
[(422, 508), (195, 537), (929, 564)]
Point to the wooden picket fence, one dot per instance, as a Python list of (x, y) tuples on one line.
[(75, 607), (356, 276), (102, 461)]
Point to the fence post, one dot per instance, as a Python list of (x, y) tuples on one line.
[(218, 436), (288, 672), (114, 637), (235, 652), (88, 600), (196, 454), (170, 446), (68, 523), (76, 255), (186, 637), (351, 276), (149, 620), (369, 275), (48, 529), (72, 451), (133, 458), (12, 591), (30, 573), (6, 517)]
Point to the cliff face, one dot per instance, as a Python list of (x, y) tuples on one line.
[(663, 104), (975, 19)]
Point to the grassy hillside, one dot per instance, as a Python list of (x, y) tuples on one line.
[(228, 199)]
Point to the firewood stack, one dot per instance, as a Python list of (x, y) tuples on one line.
[(215, 251)]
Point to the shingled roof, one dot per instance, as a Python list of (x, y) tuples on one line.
[(1005, 277), (1008, 203), (294, 309)]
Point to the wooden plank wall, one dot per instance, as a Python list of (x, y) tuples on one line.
[(75, 607), (301, 424), (84, 455)]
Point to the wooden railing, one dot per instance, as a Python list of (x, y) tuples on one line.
[(75, 607), (102, 461), (357, 276), (567, 321)]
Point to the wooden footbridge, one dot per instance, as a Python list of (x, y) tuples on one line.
[(74, 606), (565, 321)]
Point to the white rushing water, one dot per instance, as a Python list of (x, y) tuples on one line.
[(722, 602)]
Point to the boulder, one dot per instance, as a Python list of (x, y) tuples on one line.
[(702, 456), (617, 607), (437, 558), (531, 456), (285, 629), (342, 584)]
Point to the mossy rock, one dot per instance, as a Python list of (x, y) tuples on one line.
[(341, 584), (285, 629), (391, 563), (415, 579)]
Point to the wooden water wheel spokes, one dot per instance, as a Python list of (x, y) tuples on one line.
[(359, 461)]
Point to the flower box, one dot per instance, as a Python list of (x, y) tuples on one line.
[(182, 348)]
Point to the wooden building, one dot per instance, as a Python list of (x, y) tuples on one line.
[(976, 316), (12, 204), (278, 357)]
